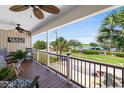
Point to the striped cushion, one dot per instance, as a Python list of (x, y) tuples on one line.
[(3, 63), (3, 52), (4, 84), (19, 83)]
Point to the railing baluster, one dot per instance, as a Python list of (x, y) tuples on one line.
[(58, 63), (74, 69), (106, 76), (100, 77), (85, 74), (77, 71), (94, 75), (71, 69), (64, 64), (89, 74), (81, 72), (61, 64), (114, 77), (122, 77)]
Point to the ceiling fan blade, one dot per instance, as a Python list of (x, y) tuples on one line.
[(19, 29), (38, 13), (50, 8), (27, 31), (18, 8)]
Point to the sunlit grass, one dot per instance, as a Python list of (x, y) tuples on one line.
[(101, 58)]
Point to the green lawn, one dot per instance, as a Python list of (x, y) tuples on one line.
[(99, 58), (102, 58)]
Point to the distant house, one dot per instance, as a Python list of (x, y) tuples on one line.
[(86, 47), (75, 47)]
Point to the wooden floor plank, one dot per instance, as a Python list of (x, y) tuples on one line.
[(47, 79), (48, 82)]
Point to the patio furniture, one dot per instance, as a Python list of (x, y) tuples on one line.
[(17, 66), (6, 57), (29, 55), (3, 53), (98, 73), (3, 63), (20, 83), (109, 82), (9, 58)]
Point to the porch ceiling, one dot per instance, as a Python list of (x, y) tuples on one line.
[(28, 21), (68, 13), (78, 12)]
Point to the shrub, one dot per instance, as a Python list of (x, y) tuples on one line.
[(43, 58), (74, 51), (7, 72), (19, 54), (94, 52), (119, 54), (109, 53)]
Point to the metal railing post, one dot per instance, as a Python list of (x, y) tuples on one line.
[(68, 68)]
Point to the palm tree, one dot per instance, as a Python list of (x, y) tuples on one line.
[(111, 33), (60, 45)]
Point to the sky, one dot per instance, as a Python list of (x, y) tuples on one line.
[(85, 30)]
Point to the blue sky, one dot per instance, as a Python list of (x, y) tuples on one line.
[(85, 30)]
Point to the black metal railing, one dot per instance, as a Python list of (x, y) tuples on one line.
[(84, 73)]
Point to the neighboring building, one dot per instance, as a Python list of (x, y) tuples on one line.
[(86, 46)]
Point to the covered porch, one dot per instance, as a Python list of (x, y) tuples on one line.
[(66, 71)]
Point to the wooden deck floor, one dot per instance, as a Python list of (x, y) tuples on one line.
[(48, 79)]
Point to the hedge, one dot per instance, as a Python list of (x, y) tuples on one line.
[(119, 54), (94, 52), (109, 53), (75, 51)]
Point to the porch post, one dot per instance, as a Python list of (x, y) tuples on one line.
[(48, 56), (68, 67)]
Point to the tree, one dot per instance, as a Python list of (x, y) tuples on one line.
[(93, 44), (74, 43), (40, 45), (111, 33), (60, 45)]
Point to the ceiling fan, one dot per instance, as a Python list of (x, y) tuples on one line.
[(21, 30), (37, 9)]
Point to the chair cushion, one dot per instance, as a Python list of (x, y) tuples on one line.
[(3, 52), (3, 63), (4, 84), (19, 83)]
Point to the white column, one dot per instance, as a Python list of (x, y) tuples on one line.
[(48, 56)]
